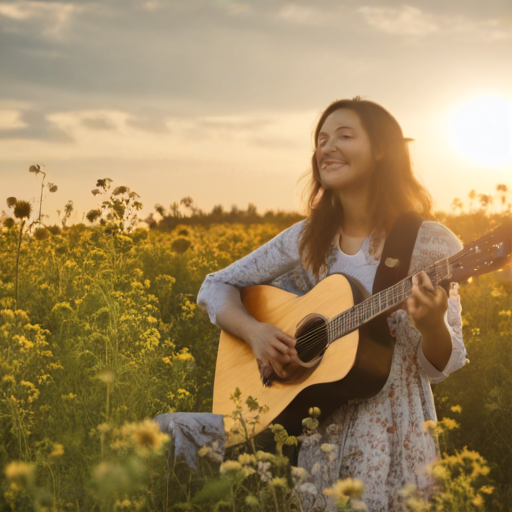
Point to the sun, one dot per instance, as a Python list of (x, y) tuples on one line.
[(481, 130)]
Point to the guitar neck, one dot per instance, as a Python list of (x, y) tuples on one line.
[(361, 313)]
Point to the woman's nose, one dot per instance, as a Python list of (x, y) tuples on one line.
[(329, 147)]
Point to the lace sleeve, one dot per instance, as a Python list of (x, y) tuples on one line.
[(433, 243), (271, 260)]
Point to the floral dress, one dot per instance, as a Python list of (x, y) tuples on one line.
[(380, 440)]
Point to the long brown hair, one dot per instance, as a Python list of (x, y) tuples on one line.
[(393, 189)]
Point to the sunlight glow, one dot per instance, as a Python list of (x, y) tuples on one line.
[(481, 130)]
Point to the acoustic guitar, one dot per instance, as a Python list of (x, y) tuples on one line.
[(343, 341)]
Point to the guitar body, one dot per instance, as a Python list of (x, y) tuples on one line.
[(355, 366)]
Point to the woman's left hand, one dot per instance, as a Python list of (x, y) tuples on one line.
[(427, 305)]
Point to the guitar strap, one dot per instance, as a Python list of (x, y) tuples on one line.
[(397, 252)]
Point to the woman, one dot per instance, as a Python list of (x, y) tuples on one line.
[(361, 182)]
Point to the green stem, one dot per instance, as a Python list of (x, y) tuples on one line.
[(108, 401), (22, 225), (275, 498), (41, 200)]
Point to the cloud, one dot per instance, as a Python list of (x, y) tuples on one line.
[(148, 124), (411, 21), (487, 30), (10, 119), (49, 17), (35, 125), (98, 123), (300, 15), (406, 20)]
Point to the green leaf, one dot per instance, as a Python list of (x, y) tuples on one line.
[(252, 403)]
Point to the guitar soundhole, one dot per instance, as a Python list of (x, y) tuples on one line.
[(311, 338)]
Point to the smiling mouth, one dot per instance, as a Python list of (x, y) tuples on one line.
[(331, 164)]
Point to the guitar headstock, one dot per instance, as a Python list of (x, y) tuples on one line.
[(490, 252)]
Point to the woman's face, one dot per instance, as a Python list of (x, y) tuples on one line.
[(344, 154)]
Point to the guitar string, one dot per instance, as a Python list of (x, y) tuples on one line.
[(347, 319), (368, 307), (313, 337), (316, 336)]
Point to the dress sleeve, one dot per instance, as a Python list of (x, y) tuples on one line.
[(271, 260), (433, 243)]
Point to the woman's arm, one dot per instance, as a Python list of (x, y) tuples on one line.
[(220, 295), (437, 317)]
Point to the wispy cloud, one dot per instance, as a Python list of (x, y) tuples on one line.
[(416, 23), (98, 123), (301, 15), (406, 20), (51, 17), (11, 119), (35, 125), (148, 124)]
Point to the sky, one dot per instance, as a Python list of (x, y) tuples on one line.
[(218, 99)]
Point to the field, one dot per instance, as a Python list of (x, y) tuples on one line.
[(99, 330)]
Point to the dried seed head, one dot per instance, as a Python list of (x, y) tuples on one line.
[(22, 209), (52, 187), (9, 222), (11, 201), (92, 215), (41, 234), (120, 190), (36, 169)]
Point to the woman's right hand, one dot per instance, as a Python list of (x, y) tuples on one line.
[(273, 348)]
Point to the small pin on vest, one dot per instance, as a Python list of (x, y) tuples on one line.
[(392, 262)]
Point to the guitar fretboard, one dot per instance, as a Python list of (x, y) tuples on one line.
[(358, 315)]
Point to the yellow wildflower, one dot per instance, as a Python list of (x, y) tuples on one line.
[(456, 408), (449, 424), (184, 355), (487, 489), (58, 450), (352, 488), (279, 482), (429, 426), (230, 467), (147, 435), (123, 504), (478, 501), (247, 471), (265, 456), (252, 501), (247, 459), (440, 472), (204, 450), (106, 375), (299, 474), (327, 448), (103, 428), (20, 473)]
